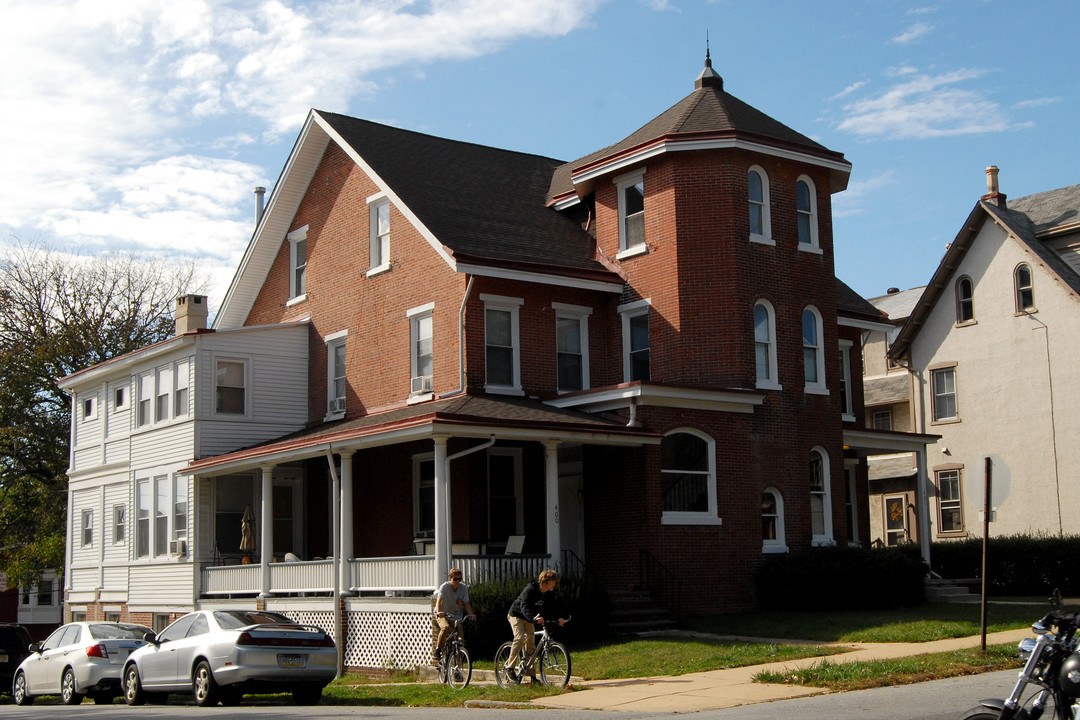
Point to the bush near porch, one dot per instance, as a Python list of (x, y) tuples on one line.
[(1016, 564), (842, 578)]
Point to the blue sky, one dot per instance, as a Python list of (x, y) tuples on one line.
[(143, 126)]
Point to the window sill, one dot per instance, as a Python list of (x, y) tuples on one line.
[(945, 421), (419, 398), (296, 300), (967, 323), (812, 249), (334, 416), (768, 385), (379, 270), (632, 252), (677, 518), (847, 417), (823, 542), (816, 390), (773, 549), (762, 240), (503, 390)]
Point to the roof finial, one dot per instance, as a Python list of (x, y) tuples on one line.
[(708, 76)]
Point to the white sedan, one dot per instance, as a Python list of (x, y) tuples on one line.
[(218, 655), (79, 659)]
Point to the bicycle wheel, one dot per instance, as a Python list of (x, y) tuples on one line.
[(502, 655), (555, 665), (458, 667)]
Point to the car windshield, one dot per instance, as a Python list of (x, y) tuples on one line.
[(109, 631), (235, 619)]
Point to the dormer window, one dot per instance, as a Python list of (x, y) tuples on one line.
[(806, 211), (631, 190)]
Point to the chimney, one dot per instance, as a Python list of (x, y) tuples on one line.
[(190, 313), (260, 192), (992, 194)]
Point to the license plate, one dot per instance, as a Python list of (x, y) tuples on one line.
[(290, 661)]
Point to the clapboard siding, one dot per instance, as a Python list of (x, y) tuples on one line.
[(162, 584), (118, 493), (86, 499), (162, 446)]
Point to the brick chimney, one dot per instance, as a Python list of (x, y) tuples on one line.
[(190, 313), (992, 194)]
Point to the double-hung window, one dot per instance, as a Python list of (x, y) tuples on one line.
[(119, 522), (502, 350), (163, 384), (688, 478), (757, 185), (1025, 289), (806, 214), (950, 505), (635, 341), (765, 345), (572, 346), (846, 407), (965, 304), (335, 374), (423, 465), (943, 385), (631, 199), (422, 352), (298, 264), (379, 233), (161, 514), (181, 380), (813, 352), (87, 528), (772, 522), (145, 387), (820, 498)]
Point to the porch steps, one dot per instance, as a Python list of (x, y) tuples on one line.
[(952, 591), (636, 611)]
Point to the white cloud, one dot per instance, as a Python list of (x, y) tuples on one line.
[(913, 33), (849, 89), (1037, 102), (850, 202), (925, 106)]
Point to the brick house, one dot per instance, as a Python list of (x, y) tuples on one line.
[(640, 359)]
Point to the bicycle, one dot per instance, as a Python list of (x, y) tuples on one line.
[(550, 655), (455, 664)]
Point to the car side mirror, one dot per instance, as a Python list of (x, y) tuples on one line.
[(34, 647)]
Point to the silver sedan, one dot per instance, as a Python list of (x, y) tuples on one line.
[(79, 659), (218, 655)]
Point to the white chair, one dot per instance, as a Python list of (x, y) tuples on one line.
[(290, 557)]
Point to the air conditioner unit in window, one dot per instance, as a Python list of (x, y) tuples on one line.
[(178, 547), (337, 405), (421, 384)]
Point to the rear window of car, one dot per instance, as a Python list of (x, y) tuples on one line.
[(235, 619), (103, 631), (14, 637)]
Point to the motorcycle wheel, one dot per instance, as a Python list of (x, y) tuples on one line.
[(981, 713)]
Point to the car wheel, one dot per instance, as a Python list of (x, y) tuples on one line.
[(307, 694), (67, 689), (203, 685), (18, 691), (133, 690)]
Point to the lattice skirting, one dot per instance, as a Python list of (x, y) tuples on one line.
[(391, 639)]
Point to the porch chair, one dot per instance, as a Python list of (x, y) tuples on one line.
[(514, 544)]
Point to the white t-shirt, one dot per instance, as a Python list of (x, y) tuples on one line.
[(453, 602)]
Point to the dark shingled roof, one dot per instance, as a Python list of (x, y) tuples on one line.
[(1051, 209), (482, 203), (849, 302)]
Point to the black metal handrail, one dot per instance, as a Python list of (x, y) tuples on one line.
[(573, 565), (660, 582)]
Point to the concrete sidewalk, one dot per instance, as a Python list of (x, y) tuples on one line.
[(729, 688)]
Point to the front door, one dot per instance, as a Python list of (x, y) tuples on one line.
[(896, 526)]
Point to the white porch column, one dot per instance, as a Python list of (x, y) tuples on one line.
[(442, 512), (551, 494), (267, 513), (346, 519), (922, 497)]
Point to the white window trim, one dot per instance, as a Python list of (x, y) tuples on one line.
[(826, 470), (626, 312), (86, 526), (773, 382), (120, 507), (297, 235), (845, 380), (819, 387), (513, 306), (172, 369), (765, 238), (374, 202), (580, 313), (814, 245), (125, 390), (621, 183), (247, 363), (333, 340), (706, 517), (184, 363), (779, 545), (415, 315), (88, 407), (156, 554), (417, 460), (955, 417)]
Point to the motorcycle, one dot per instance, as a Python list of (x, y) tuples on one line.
[(1052, 666)]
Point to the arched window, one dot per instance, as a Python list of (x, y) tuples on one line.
[(688, 478), (757, 185), (772, 522), (820, 499), (1025, 290), (765, 345), (813, 351), (965, 304), (806, 210)]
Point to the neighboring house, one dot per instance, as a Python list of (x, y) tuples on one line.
[(39, 608), (991, 346), (636, 364)]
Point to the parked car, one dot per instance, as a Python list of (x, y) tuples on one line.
[(14, 646), (219, 655), (79, 659)]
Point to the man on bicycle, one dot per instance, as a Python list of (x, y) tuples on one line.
[(451, 603), (535, 601)]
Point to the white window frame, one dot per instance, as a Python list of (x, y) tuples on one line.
[(813, 245), (144, 389), (120, 394), (955, 504), (378, 244), (847, 409), (580, 313), (513, 307), (163, 398), (826, 537), (119, 523), (950, 372), (181, 392), (885, 415), (816, 387), (704, 517), (416, 316), (334, 408), (965, 305), (1020, 289), (246, 363), (765, 237), (86, 528), (163, 488), (623, 182), (89, 407), (772, 382), (626, 312), (297, 272), (420, 487), (779, 543)]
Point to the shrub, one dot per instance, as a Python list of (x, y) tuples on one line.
[(1016, 564), (842, 578)]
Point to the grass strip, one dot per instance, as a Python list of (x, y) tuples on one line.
[(859, 675)]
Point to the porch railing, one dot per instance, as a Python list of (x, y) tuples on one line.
[(394, 574), (484, 568), (299, 577), (231, 579)]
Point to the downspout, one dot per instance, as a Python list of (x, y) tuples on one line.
[(339, 640), (1053, 423), (461, 342)]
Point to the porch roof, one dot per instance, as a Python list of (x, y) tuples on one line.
[(477, 416)]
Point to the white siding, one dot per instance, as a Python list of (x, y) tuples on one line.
[(88, 499), (117, 552), (162, 585)]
